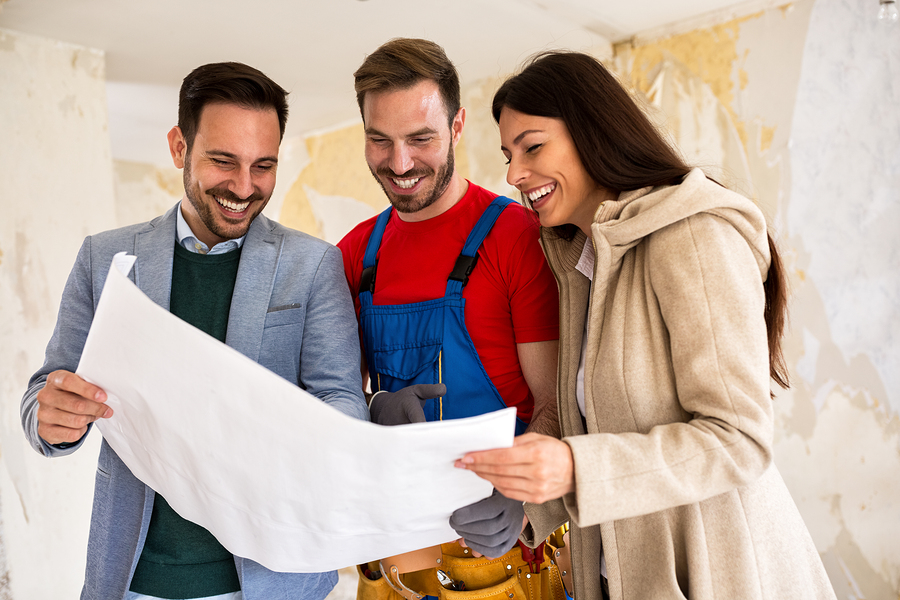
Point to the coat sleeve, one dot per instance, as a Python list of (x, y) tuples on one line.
[(705, 286), (543, 519), (329, 355), (76, 312)]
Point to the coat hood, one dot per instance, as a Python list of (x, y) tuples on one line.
[(638, 213)]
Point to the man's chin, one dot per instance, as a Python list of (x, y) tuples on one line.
[(409, 204)]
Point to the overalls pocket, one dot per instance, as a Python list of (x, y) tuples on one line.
[(409, 363)]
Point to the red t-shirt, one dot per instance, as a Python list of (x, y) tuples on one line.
[(511, 297)]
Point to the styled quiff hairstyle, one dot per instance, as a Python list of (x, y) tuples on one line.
[(620, 149), (227, 83), (400, 64)]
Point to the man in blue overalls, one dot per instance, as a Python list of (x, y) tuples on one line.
[(458, 311)]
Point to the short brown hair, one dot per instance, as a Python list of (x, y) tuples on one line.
[(400, 64), (227, 83)]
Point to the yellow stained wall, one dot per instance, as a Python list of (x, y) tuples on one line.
[(836, 440), (726, 95)]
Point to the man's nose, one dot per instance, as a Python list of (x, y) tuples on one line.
[(401, 161), (242, 184)]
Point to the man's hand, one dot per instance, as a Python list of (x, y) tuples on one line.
[(490, 526), (67, 405), (404, 406)]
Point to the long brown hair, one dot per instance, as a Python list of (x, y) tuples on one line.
[(620, 149)]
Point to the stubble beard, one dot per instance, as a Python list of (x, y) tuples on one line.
[(421, 201), (207, 213)]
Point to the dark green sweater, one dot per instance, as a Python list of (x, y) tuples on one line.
[(180, 559)]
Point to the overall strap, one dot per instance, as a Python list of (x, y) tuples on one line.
[(370, 260), (459, 277)]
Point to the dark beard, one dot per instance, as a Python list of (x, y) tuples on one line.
[(206, 212), (413, 204)]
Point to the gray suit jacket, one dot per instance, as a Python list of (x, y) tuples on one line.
[(291, 312)]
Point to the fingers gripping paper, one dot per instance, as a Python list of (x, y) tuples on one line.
[(275, 474)]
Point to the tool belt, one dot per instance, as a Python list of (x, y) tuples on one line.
[(450, 572)]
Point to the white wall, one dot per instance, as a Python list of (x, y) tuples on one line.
[(840, 451), (56, 186), (801, 109)]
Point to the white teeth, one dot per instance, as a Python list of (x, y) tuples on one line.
[(235, 206), (406, 183), (541, 192)]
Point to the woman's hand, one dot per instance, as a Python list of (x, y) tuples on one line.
[(536, 469)]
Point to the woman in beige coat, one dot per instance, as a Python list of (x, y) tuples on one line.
[(672, 306)]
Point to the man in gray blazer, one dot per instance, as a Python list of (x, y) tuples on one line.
[(274, 294)]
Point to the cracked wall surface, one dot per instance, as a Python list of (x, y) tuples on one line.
[(789, 107), (794, 106), (56, 188)]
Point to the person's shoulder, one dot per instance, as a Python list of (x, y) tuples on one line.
[(119, 235), (482, 197), (293, 237), (359, 235)]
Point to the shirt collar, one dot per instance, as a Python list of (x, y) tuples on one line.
[(185, 236), (585, 264)]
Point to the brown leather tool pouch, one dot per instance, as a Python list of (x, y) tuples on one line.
[(520, 574)]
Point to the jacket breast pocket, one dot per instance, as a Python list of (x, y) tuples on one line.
[(281, 341)]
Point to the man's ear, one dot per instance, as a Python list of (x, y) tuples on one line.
[(177, 146), (458, 122)]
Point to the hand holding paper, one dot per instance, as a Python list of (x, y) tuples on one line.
[(274, 473), (67, 404)]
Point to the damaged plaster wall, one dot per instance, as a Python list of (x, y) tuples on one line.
[(790, 105), (334, 190), (56, 188), (795, 106), (769, 102)]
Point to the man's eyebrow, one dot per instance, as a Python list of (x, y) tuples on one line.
[(233, 156), (423, 131)]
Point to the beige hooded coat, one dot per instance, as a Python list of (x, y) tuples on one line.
[(675, 474)]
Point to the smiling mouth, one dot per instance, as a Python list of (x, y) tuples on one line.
[(540, 192), (232, 206), (405, 184)]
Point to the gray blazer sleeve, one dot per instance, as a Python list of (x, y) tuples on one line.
[(76, 311), (330, 354)]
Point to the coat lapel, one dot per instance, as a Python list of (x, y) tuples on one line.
[(574, 295), (252, 290), (154, 248)]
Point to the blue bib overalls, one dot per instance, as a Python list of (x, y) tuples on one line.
[(427, 342)]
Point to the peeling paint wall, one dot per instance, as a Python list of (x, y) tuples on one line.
[(144, 191), (56, 187), (790, 105), (334, 189), (796, 106)]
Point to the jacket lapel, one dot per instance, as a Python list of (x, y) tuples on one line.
[(252, 290), (154, 248)]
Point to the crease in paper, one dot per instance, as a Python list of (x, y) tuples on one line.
[(275, 474)]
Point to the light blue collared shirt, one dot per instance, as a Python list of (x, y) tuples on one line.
[(185, 236)]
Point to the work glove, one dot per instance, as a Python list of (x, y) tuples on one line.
[(490, 526), (404, 406)]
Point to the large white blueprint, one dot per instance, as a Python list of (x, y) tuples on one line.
[(275, 474)]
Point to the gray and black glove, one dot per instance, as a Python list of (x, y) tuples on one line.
[(490, 526), (404, 406)]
